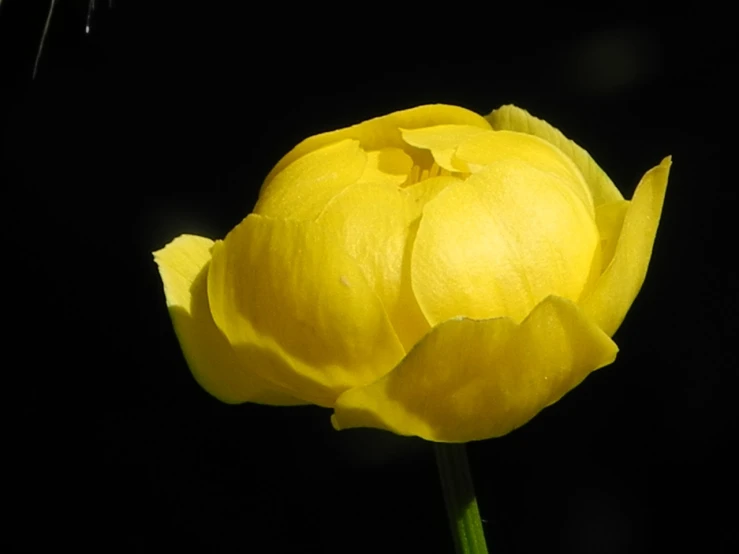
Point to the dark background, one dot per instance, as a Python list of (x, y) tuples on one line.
[(165, 118)]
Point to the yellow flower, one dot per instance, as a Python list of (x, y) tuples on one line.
[(431, 272)]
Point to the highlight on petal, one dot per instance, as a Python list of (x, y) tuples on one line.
[(290, 288), (183, 266), (500, 242), (304, 187), (618, 286), (472, 380), (384, 132), (512, 118)]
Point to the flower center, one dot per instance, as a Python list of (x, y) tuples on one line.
[(417, 174)]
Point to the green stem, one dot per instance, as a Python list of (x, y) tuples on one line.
[(459, 496)]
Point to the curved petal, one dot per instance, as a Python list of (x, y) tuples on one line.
[(289, 287), (472, 380), (512, 118), (389, 218), (610, 219), (304, 187), (442, 141), (615, 291), (491, 146), (384, 131), (386, 222), (183, 266), (500, 242)]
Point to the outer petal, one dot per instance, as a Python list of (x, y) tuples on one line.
[(183, 266), (500, 242), (290, 288), (619, 284), (610, 219), (515, 119), (304, 187), (472, 380), (384, 132)]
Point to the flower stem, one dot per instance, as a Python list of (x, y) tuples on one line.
[(459, 496)]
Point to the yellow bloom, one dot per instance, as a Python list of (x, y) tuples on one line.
[(431, 272)]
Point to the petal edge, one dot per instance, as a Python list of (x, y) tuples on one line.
[(476, 379), (289, 288), (183, 266), (515, 119), (617, 288)]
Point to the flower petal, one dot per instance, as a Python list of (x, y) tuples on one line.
[(512, 118), (290, 288), (615, 291), (500, 242), (389, 220), (385, 222), (304, 187), (491, 146), (442, 141), (472, 380), (610, 219), (384, 132), (183, 266), (389, 166)]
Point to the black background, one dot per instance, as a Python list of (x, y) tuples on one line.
[(165, 118)]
